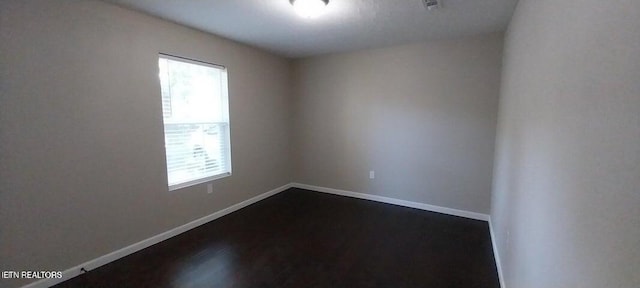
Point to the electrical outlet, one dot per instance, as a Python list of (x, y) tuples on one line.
[(432, 4), (209, 188), (372, 174)]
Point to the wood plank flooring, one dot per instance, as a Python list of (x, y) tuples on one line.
[(307, 239)]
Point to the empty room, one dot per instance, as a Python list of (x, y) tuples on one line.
[(320, 143)]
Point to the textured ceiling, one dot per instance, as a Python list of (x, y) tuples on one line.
[(346, 25)]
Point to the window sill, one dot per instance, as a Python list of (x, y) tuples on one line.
[(198, 181)]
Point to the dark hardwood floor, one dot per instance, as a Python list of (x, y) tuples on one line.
[(306, 239)]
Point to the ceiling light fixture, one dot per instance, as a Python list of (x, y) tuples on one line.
[(309, 8)]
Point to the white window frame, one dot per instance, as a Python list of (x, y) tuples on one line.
[(225, 101)]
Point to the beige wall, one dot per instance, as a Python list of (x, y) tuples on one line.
[(422, 116), (566, 200), (82, 151)]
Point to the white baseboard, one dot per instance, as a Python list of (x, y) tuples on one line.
[(496, 255), (113, 256), (417, 205)]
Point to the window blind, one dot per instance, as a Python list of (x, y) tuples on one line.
[(195, 113)]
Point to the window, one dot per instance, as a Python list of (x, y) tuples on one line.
[(195, 113)]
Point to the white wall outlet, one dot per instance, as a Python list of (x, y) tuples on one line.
[(432, 4), (372, 174), (209, 188)]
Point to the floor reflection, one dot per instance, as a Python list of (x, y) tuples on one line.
[(211, 267)]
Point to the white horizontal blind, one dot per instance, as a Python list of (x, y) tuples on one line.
[(195, 112)]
